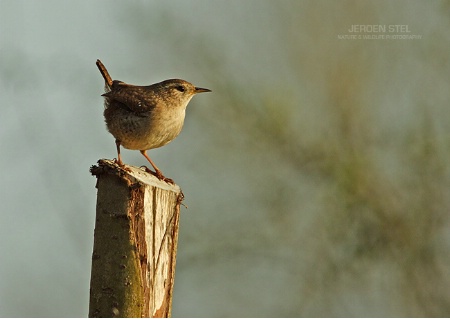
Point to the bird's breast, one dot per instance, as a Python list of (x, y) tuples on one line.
[(144, 131)]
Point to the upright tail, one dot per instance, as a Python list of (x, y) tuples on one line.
[(105, 74)]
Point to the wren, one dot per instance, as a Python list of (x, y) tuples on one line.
[(145, 117)]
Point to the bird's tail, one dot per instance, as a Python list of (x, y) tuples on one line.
[(105, 74)]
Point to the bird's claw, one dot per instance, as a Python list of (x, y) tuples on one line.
[(119, 163), (159, 175), (168, 180)]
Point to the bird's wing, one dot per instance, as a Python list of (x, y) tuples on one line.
[(131, 96)]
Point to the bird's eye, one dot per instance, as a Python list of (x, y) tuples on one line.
[(180, 88)]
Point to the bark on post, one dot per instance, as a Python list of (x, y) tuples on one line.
[(135, 243)]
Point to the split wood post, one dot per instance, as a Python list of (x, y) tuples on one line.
[(135, 243)]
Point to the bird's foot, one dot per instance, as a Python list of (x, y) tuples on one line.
[(119, 163), (159, 175), (168, 180)]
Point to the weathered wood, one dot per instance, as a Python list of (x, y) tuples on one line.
[(135, 243)]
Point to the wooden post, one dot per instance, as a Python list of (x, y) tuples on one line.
[(135, 243)]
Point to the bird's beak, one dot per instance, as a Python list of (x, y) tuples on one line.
[(201, 90)]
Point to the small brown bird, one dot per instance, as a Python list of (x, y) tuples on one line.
[(145, 117)]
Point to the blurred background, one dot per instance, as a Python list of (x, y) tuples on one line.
[(317, 173)]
